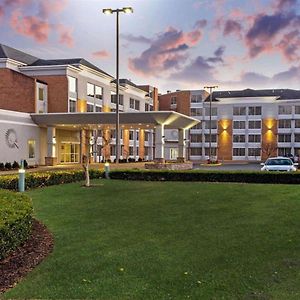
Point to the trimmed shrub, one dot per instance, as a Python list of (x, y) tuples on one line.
[(15, 220), (25, 164), (2, 168), (15, 165), (7, 166)]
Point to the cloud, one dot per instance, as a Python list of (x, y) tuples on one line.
[(285, 4), (1, 12), (136, 39), (232, 27), (101, 54), (65, 35), (168, 50), (47, 8), (30, 26)]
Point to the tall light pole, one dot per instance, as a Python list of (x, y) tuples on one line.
[(211, 88), (109, 11)]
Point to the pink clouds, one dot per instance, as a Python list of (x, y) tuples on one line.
[(30, 26), (65, 35), (101, 54), (1, 12), (49, 7)]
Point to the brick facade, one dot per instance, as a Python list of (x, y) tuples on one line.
[(183, 100)]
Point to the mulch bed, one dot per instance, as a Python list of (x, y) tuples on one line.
[(14, 267)]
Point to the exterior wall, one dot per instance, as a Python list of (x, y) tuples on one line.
[(225, 140), (183, 99), (269, 144), (17, 91), (16, 129)]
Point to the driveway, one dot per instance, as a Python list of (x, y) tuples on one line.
[(230, 167)]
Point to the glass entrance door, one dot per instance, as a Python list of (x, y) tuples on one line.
[(69, 153)]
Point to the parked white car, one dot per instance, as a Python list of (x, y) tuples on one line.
[(279, 164)]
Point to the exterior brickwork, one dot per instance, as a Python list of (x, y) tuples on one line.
[(183, 100), (17, 91)]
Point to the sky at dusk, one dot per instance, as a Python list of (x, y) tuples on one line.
[(171, 44)]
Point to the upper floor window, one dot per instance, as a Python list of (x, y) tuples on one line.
[(196, 111), (297, 123), (90, 90), (284, 109), (196, 98), (214, 124), (297, 110), (72, 84), (254, 138), (238, 151), (196, 138), (137, 105), (254, 110), (98, 92), (198, 126), (285, 124), (72, 105), (254, 124), (253, 151), (113, 98), (284, 138), (239, 111), (131, 103), (213, 138), (239, 124), (41, 94), (173, 100), (214, 111), (98, 108), (90, 107), (131, 137), (239, 138), (147, 108)]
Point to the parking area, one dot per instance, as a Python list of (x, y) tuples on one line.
[(229, 167)]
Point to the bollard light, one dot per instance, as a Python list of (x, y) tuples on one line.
[(107, 170), (21, 181)]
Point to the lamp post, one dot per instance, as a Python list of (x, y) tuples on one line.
[(109, 11), (210, 110)]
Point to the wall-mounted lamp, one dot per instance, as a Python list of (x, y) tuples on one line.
[(54, 140)]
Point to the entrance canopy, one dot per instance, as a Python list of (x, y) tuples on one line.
[(91, 120)]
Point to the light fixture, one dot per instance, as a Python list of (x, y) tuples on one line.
[(128, 10), (107, 11)]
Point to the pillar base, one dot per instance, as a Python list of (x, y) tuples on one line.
[(50, 161), (160, 160), (180, 159)]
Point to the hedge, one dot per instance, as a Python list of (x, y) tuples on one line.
[(15, 220), (39, 179), (209, 176)]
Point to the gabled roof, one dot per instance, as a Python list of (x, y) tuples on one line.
[(70, 61), (282, 94), (8, 52), (124, 82)]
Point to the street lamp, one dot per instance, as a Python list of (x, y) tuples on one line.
[(109, 11), (210, 110)]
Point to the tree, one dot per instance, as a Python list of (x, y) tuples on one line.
[(269, 149)]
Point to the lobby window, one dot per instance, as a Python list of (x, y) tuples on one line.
[(213, 138), (285, 123), (99, 92), (254, 124), (239, 124), (72, 84), (297, 138), (196, 111), (98, 108), (239, 111), (72, 105), (90, 107), (238, 151), (90, 90), (254, 138), (137, 105), (196, 151), (284, 109), (31, 148), (297, 110), (239, 138), (254, 110), (284, 151), (196, 99), (173, 100), (41, 94), (213, 151), (254, 152), (284, 138), (196, 138), (214, 111), (214, 124)]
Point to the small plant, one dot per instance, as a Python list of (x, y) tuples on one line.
[(2, 167), (15, 165), (140, 159), (7, 166)]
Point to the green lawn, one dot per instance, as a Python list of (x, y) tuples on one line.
[(168, 240)]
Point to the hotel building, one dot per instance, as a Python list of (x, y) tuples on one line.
[(247, 125)]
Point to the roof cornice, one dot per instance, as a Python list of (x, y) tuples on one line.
[(50, 67), (81, 66)]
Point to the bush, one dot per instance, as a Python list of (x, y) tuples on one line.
[(34, 180), (208, 176), (131, 159), (15, 165), (7, 166), (2, 168), (15, 220), (25, 164)]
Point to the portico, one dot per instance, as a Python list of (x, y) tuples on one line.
[(84, 124)]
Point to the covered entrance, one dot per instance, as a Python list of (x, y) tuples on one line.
[(69, 152)]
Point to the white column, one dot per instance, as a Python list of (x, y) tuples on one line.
[(159, 143), (181, 145), (51, 141)]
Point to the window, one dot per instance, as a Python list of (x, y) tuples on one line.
[(297, 110), (239, 138), (31, 148), (198, 126), (72, 105), (297, 123), (285, 123), (238, 151), (254, 138), (254, 124), (151, 107), (147, 108), (213, 151), (113, 150), (131, 135), (99, 92), (113, 98), (196, 138), (214, 124), (214, 111), (254, 110), (137, 105), (239, 111), (196, 111), (90, 107), (284, 151), (98, 108), (90, 90), (137, 151), (137, 135), (284, 138), (284, 109), (72, 84), (254, 152), (213, 138), (41, 94), (196, 151), (196, 98), (173, 100), (297, 138), (239, 124), (113, 134), (121, 99), (131, 103), (146, 151), (130, 150), (147, 134)]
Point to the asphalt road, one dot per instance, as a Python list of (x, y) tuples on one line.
[(230, 167)]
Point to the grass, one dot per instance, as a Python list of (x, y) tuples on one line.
[(167, 240)]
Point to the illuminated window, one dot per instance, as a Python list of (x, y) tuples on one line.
[(72, 84), (99, 92), (31, 148), (90, 90)]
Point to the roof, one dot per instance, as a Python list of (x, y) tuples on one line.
[(124, 82), (70, 61), (8, 52), (282, 94), (147, 120)]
